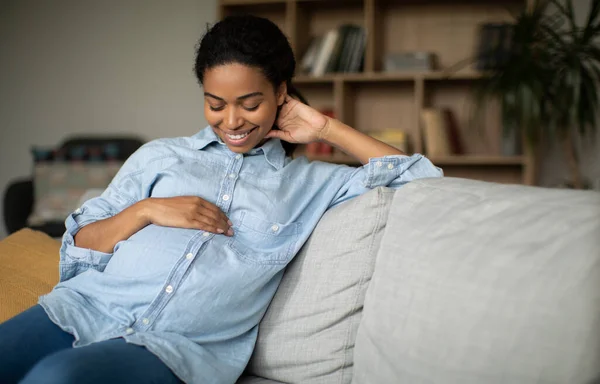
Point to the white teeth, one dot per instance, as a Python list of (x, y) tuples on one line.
[(237, 137)]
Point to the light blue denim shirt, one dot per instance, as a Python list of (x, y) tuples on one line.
[(191, 297)]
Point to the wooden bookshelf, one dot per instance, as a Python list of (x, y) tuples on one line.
[(374, 100)]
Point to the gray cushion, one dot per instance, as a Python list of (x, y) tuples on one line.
[(308, 332), (484, 283)]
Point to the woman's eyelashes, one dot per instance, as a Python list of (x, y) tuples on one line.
[(220, 108), (252, 108)]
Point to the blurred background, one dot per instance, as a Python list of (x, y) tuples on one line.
[(78, 68)]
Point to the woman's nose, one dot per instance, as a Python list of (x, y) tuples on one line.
[(233, 119)]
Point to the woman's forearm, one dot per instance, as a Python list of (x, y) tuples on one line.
[(355, 143), (103, 235)]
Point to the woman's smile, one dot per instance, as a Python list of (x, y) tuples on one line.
[(239, 139)]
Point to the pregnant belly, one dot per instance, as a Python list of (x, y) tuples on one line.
[(153, 250)]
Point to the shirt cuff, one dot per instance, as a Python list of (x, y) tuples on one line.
[(74, 259), (382, 171)]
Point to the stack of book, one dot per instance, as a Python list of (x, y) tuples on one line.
[(340, 49)]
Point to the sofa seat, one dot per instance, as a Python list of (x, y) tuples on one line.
[(28, 269)]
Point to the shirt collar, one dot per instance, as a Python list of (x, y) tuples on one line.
[(272, 149)]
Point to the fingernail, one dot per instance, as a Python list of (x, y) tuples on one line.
[(229, 222), (230, 232), (220, 230)]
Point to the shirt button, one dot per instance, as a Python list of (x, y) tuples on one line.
[(225, 197), (275, 228), (189, 256), (379, 163), (129, 331), (78, 211), (169, 289), (145, 321), (206, 234), (238, 157), (232, 175), (390, 166)]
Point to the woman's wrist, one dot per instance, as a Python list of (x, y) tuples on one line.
[(143, 211), (324, 133), (333, 131)]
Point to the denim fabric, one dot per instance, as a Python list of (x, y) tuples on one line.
[(191, 297), (33, 350)]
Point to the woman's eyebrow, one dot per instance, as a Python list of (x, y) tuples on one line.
[(239, 98)]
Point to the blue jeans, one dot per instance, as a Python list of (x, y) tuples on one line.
[(34, 350)]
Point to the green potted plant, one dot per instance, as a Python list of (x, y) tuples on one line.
[(548, 85)]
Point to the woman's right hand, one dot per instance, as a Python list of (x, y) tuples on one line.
[(186, 212)]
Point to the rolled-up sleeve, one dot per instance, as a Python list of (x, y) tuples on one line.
[(389, 171), (124, 190), (73, 259)]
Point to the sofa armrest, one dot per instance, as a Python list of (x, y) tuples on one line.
[(18, 204)]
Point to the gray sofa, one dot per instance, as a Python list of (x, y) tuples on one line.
[(443, 281)]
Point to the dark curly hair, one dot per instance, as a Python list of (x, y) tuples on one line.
[(253, 41)]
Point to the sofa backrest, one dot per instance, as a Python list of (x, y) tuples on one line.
[(478, 282)]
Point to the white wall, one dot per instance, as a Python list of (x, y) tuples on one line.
[(95, 67)]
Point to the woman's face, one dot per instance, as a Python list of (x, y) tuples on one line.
[(240, 105)]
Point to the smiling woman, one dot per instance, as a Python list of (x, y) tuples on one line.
[(166, 276), (245, 79)]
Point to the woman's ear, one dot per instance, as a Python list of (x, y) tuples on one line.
[(281, 93)]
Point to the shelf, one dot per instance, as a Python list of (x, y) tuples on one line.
[(374, 77), (375, 100), (478, 160)]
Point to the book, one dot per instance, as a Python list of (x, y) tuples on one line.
[(435, 132), (325, 52), (340, 49), (309, 58), (494, 45)]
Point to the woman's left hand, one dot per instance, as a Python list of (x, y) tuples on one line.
[(299, 123)]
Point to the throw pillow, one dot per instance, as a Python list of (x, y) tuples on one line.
[(308, 332), (61, 179)]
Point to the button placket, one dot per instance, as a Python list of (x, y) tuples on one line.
[(228, 182)]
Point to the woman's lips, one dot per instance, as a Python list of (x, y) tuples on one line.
[(238, 140)]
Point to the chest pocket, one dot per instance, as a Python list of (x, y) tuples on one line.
[(264, 242)]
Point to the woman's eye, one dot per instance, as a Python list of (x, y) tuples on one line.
[(216, 109), (252, 108)]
